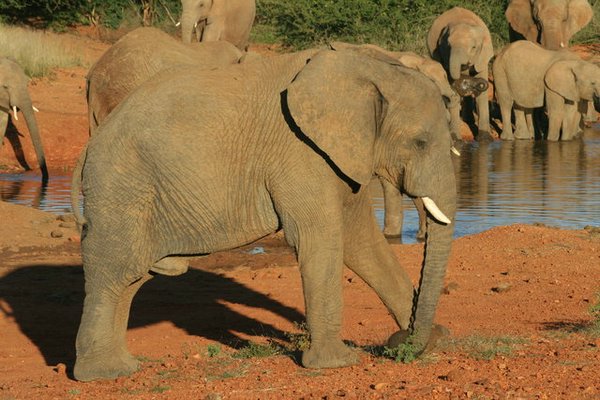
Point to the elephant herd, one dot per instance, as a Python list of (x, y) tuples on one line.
[(201, 147)]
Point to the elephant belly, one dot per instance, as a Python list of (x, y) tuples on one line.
[(210, 219)]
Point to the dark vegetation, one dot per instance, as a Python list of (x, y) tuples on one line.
[(394, 24)]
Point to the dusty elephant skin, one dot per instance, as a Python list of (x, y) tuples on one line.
[(293, 145), (13, 96), (139, 55)]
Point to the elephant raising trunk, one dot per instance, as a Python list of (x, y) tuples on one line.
[(13, 96)]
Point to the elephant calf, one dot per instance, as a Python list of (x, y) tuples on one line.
[(461, 42), (526, 76), (288, 142)]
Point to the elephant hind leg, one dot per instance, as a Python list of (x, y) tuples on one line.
[(101, 345)]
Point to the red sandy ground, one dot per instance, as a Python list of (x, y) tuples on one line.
[(530, 285)]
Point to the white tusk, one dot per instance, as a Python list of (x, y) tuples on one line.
[(196, 25), (562, 44), (15, 113), (35, 109), (178, 23), (456, 152), (434, 210)]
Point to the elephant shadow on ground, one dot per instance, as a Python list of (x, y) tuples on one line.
[(14, 138), (46, 302)]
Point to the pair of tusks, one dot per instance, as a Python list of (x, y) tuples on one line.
[(435, 211), (15, 111)]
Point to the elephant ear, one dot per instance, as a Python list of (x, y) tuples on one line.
[(560, 78), (521, 20), (338, 109), (580, 14)]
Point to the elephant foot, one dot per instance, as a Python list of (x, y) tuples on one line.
[(504, 136), (108, 365), (484, 136), (330, 355), (421, 236), (171, 266), (438, 332)]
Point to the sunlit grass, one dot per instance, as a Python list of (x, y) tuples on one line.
[(39, 52)]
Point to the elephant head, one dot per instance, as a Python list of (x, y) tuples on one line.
[(194, 17), (574, 80), (13, 96), (465, 46), (551, 23), (368, 122)]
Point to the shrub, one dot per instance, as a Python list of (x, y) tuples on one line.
[(393, 24)]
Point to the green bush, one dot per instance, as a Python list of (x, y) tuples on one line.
[(394, 24)]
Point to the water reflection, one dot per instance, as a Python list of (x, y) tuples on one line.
[(500, 183)]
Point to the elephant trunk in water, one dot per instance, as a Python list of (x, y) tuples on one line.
[(437, 249), (36, 139)]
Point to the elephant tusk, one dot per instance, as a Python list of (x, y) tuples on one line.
[(15, 113), (35, 109), (178, 23), (562, 45), (456, 152), (435, 211)]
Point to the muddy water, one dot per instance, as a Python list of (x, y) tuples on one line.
[(556, 184)]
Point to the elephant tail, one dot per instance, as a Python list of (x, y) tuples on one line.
[(76, 189)]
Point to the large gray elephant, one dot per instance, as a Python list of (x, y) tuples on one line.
[(289, 142), (551, 23), (461, 42), (211, 20), (526, 76), (138, 56), (15, 96)]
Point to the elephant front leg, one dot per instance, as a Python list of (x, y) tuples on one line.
[(367, 253), (321, 270), (101, 345), (393, 210), (3, 126), (483, 112)]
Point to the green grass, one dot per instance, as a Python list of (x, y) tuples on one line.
[(484, 347), (257, 350), (38, 52)]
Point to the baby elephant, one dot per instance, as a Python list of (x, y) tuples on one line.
[(525, 74)]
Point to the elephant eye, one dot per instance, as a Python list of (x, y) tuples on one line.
[(420, 143)]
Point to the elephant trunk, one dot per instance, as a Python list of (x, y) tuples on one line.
[(437, 250), (552, 37), (188, 25), (36, 139), (454, 65)]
